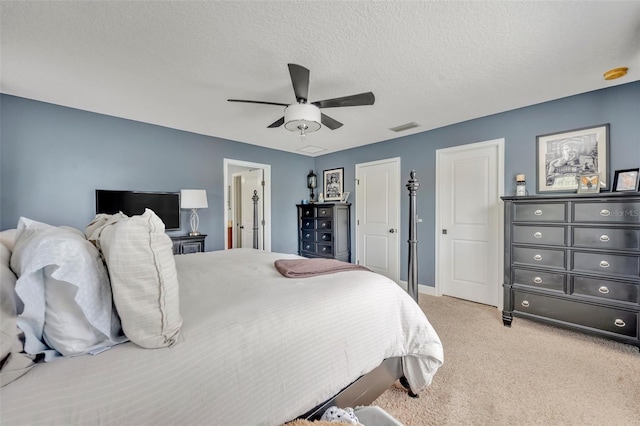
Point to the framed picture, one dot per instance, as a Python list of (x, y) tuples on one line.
[(562, 157), (345, 197), (626, 180), (333, 184), (588, 183)]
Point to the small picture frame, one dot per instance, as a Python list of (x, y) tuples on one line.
[(345, 197), (333, 184), (588, 183), (626, 180)]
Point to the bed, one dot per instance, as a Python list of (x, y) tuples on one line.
[(254, 348)]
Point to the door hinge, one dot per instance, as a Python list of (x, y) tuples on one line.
[(357, 181), (262, 183), (357, 222), (263, 222), (358, 262)]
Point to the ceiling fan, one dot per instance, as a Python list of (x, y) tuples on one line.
[(304, 116)]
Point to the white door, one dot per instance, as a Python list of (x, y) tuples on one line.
[(469, 224), (377, 216), (251, 181)]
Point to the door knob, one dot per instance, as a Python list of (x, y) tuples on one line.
[(392, 230)]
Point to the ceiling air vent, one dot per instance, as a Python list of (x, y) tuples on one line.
[(403, 127)]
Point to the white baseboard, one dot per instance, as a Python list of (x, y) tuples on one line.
[(424, 289)]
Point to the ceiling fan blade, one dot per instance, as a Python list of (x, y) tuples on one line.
[(258, 102), (300, 81), (330, 122), (354, 100), (278, 123)]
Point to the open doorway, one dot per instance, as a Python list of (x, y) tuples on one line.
[(241, 179)]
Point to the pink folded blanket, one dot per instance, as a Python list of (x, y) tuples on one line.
[(303, 268)]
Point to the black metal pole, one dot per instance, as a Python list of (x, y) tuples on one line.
[(255, 199), (412, 279)]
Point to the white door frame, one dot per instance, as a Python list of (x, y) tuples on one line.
[(499, 143), (396, 251), (267, 197)]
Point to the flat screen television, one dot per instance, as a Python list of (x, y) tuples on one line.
[(165, 204)]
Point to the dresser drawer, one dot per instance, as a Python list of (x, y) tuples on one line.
[(323, 224), (324, 249), (307, 211), (307, 235), (540, 212), (539, 279), (552, 235), (539, 257), (324, 212), (324, 237), (607, 238), (613, 264), (308, 224), (598, 317), (609, 212), (613, 290), (309, 246)]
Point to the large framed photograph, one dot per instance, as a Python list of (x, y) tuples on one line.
[(563, 157), (626, 180), (333, 184)]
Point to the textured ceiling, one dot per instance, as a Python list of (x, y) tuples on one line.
[(434, 63)]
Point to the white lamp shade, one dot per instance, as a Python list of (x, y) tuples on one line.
[(300, 115), (193, 199)]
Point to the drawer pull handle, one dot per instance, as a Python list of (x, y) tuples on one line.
[(538, 235), (537, 280), (604, 238), (324, 225), (537, 257), (604, 264), (324, 249), (307, 235), (525, 303), (307, 212), (307, 247), (538, 212), (324, 237), (605, 212), (619, 323), (603, 289), (323, 212)]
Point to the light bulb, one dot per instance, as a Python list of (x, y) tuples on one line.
[(303, 134)]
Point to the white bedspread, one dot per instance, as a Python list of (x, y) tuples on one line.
[(256, 349)]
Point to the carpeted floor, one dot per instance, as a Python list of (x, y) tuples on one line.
[(529, 374)]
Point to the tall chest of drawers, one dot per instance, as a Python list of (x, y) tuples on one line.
[(324, 231), (574, 262)]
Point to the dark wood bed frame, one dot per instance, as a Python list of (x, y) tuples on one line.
[(370, 386)]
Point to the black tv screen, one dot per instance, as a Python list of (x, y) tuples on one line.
[(165, 204)]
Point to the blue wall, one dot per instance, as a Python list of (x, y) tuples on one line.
[(53, 158), (619, 106)]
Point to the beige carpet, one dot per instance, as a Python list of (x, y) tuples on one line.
[(529, 374)]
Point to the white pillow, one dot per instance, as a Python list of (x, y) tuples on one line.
[(13, 361), (144, 280), (8, 238), (68, 306)]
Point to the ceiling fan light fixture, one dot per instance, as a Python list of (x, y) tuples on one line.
[(303, 118)]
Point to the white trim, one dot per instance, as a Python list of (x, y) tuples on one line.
[(422, 288), (499, 144), (267, 197), (396, 253)]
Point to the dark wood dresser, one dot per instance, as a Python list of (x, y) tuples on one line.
[(324, 230), (574, 261), (185, 244)]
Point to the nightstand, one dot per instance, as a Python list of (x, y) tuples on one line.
[(185, 244)]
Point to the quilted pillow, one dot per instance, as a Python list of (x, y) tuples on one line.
[(13, 361), (144, 280), (68, 307)]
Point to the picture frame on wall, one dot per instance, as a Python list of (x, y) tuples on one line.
[(561, 158), (345, 197), (626, 180), (333, 184), (588, 183)]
